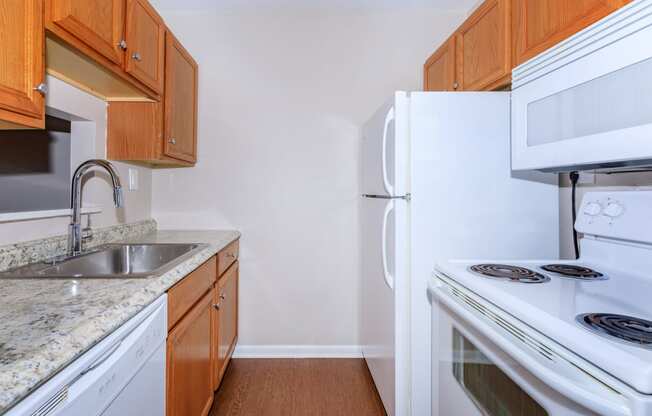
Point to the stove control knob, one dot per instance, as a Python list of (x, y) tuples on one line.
[(614, 210), (592, 209)]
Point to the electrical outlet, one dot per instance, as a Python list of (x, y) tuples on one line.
[(133, 179)]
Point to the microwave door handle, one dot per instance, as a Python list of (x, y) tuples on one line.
[(386, 184), (389, 279), (605, 402)]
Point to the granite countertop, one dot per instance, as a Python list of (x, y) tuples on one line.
[(46, 323)]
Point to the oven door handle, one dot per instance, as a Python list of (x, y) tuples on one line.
[(556, 372)]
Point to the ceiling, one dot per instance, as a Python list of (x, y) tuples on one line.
[(350, 4)]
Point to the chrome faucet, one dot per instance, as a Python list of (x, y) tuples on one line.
[(75, 236)]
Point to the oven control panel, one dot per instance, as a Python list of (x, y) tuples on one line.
[(623, 215)]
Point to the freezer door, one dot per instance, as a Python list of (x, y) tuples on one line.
[(385, 143)]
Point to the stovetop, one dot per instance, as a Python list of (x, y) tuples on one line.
[(603, 311), (557, 307)]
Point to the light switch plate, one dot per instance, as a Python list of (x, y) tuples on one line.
[(133, 179)]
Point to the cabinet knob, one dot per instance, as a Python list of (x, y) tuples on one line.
[(136, 56), (42, 88), (172, 141), (123, 45), (217, 306), (222, 296), (456, 85)]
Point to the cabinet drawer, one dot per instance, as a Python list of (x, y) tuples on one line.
[(188, 291), (227, 256)]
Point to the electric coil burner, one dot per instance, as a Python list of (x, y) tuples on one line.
[(596, 306), (627, 329), (510, 273), (573, 271)]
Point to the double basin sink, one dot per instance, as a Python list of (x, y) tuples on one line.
[(110, 261)]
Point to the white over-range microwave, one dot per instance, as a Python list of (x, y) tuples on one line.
[(587, 103)]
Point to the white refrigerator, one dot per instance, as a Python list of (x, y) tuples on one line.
[(437, 184)]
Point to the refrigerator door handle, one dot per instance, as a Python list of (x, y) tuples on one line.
[(389, 279), (389, 188)]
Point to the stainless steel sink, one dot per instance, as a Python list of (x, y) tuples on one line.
[(110, 261)]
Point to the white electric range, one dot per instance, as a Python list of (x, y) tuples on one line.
[(551, 337)]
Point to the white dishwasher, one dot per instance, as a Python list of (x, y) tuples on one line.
[(122, 375)]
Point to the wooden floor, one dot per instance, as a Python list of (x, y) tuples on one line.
[(297, 387)]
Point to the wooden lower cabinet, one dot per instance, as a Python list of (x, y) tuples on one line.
[(202, 334), (189, 355), (225, 321)]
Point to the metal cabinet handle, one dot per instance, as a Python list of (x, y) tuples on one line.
[(172, 141), (222, 296), (136, 56), (230, 255), (217, 306), (123, 45), (456, 85), (41, 88)]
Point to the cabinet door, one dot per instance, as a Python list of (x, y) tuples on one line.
[(97, 23), (540, 24), (439, 69), (21, 62), (145, 35), (180, 102), (189, 382), (484, 48), (226, 301)]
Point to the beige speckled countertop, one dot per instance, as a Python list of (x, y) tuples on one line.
[(46, 323)]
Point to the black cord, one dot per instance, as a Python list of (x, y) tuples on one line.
[(574, 177)]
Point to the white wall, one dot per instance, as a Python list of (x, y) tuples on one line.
[(282, 97), (88, 138)]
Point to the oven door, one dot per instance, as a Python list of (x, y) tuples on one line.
[(587, 103), (474, 375)]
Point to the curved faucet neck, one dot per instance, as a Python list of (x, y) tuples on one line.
[(75, 239)]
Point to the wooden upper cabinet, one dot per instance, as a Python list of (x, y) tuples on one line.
[(439, 69), (22, 66), (189, 359), (540, 24), (180, 132), (145, 36), (483, 47), (97, 23)]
